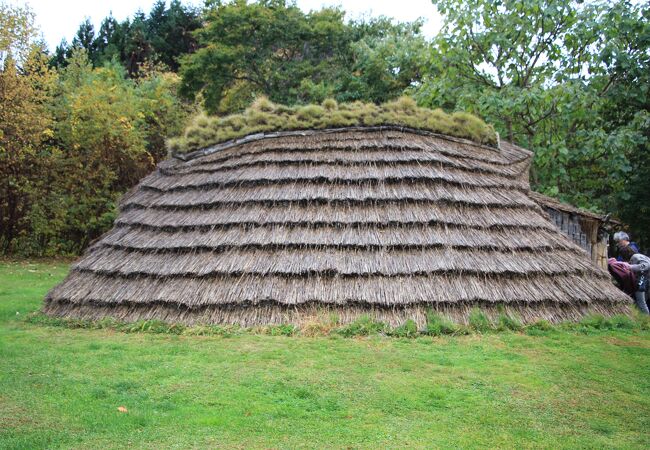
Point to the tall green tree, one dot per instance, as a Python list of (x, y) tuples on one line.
[(25, 122), (266, 47), (273, 48), (85, 38), (137, 46), (386, 62), (624, 81), (171, 31), (159, 37), (110, 40), (538, 71)]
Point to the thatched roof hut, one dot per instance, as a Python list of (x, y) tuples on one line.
[(385, 221), (588, 230)]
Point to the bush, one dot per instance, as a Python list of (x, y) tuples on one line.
[(506, 322), (282, 330), (213, 330), (438, 325), (478, 321), (409, 330), (539, 328), (152, 326), (621, 322), (363, 326), (594, 322), (322, 325)]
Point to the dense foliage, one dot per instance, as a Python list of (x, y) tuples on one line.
[(569, 80), (160, 37), (273, 48), (71, 142)]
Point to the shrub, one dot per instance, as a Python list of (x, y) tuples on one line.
[(363, 326), (319, 326), (621, 322), (282, 330), (213, 330), (152, 326), (409, 330), (438, 325), (594, 321), (478, 321), (506, 322), (539, 328)]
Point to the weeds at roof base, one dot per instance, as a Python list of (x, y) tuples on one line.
[(436, 325)]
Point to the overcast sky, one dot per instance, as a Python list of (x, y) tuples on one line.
[(60, 19)]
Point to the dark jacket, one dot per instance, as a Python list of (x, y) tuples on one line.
[(632, 248)]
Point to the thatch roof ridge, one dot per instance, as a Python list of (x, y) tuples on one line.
[(385, 221), (263, 118), (264, 135), (359, 140), (554, 203)]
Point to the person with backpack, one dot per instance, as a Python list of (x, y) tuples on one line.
[(640, 266)]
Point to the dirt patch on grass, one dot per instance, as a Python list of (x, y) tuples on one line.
[(13, 416), (632, 341)]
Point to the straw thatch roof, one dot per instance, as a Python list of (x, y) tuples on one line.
[(553, 203), (383, 221)]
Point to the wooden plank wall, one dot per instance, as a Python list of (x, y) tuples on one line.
[(584, 232)]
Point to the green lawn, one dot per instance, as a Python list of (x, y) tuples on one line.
[(61, 387)]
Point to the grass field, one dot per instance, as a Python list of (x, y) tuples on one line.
[(62, 387)]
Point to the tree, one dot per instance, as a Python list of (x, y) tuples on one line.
[(62, 52), (109, 41), (268, 47), (73, 140), (171, 31), (625, 82), (17, 33), (109, 132), (25, 126), (160, 37), (538, 71), (386, 62), (272, 48), (85, 38)]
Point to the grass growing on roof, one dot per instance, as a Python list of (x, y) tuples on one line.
[(265, 116), (219, 387)]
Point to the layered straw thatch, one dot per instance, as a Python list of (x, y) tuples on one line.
[(380, 221)]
